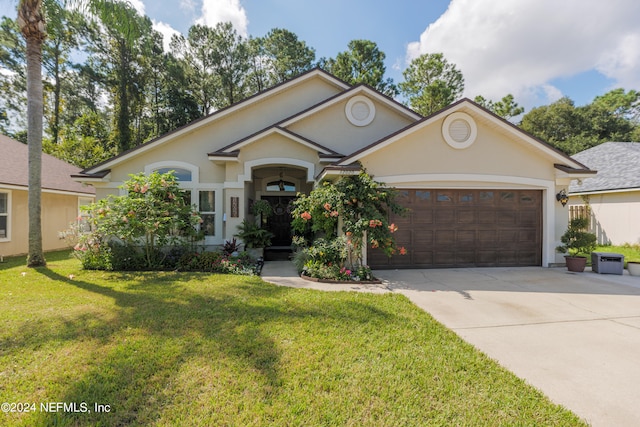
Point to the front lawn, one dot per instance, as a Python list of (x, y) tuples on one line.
[(630, 252), (202, 349)]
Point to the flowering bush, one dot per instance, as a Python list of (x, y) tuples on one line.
[(361, 205), (151, 216)]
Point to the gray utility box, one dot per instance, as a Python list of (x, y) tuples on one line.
[(607, 263)]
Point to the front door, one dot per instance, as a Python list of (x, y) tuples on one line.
[(280, 222)]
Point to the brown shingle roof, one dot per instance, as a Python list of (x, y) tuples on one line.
[(56, 174)]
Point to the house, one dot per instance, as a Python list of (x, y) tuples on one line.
[(481, 191), (61, 198), (613, 196)]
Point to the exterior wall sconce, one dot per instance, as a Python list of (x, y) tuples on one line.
[(562, 197)]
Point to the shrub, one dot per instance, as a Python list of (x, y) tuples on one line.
[(137, 228), (217, 262), (576, 240)]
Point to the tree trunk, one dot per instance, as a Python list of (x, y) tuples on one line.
[(31, 24)]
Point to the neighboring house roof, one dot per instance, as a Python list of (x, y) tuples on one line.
[(14, 169), (618, 166)]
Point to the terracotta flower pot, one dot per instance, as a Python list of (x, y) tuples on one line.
[(576, 263)]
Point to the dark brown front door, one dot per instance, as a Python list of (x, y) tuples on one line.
[(280, 222), (467, 228)]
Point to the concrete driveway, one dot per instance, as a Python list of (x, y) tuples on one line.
[(574, 336)]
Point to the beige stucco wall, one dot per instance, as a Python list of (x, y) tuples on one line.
[(58, 211), (344, 137), (492, 154), (615, 217)]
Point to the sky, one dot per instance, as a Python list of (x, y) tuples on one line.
[(536, 50)]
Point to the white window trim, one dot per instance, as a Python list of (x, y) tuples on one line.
[(7, 238), (195, 186)]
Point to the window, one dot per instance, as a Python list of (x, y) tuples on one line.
[(4, 216), (180, 173), (207, 208), (281, 186)]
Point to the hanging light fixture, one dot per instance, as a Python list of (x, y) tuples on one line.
[(562, 197), (281, 182)]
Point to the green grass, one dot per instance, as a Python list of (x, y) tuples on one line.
[(169, 349), (630, 252)]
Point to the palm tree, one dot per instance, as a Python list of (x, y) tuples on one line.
[(32, 26), (31, 21)]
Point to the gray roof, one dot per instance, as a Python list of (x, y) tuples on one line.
[(56, 174), (617, 163)]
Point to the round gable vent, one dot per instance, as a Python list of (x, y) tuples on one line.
[(360, 110), (459, 130)]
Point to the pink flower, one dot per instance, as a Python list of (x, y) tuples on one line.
[(403, 250), (375, 223), (305, 215), (374, 243), (327, 206), (144, 188), (334, 213), (393, 228)]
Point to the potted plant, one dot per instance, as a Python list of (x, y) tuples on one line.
[(577, 243), (254, 237)]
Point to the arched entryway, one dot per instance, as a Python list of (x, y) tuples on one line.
[(279, 185)]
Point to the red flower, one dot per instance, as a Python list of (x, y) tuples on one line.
[(403, 250)]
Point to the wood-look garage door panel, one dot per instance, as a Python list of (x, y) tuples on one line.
[(466, 216), (460, 228)]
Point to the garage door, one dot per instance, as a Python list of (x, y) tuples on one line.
[(466, 228)]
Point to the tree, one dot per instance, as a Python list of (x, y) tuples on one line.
[(431, 83), (194, 53), (230, 58), (287, 56), (32, 26), (13, 80), (62, 36), (31, 21), (506, 108), (573, 129), (362, 63)]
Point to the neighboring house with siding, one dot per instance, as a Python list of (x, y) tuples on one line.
[(613, 195), (481, 191), (61, 198)]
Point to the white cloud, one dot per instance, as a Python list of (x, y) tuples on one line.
[(138, 5), (216, 11), (518, 47), (167, 31), (188, 5)]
